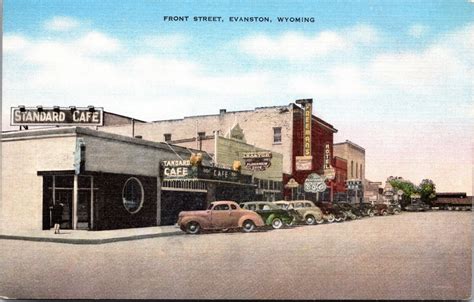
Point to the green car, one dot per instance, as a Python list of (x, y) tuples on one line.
[(270, 213)]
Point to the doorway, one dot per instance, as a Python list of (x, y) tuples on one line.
[(59, 189)]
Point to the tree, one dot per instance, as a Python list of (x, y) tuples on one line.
[(427, 191), (408, 188)]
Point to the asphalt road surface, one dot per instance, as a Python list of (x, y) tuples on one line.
[(409, 256)]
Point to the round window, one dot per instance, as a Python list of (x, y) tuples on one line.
[(132, 195)]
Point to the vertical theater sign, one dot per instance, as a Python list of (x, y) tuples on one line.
[(305, 162)]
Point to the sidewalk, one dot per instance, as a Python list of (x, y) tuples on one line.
[(93, 237)]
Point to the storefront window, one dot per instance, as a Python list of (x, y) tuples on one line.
[(132, 195)]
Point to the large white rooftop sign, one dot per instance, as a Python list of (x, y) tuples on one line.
[(56, 116)]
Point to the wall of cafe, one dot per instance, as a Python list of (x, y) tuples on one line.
[(22, 188), (31, 157)]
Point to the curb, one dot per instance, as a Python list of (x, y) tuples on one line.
[(90, 241)]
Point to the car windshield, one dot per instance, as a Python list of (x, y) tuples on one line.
[(282, 205), (267, 206)]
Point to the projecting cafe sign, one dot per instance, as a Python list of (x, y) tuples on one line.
[(183, 169), (39, 116)]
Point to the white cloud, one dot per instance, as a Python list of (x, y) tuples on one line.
[(341, 81), (61, 23), (166, 42), (97, 43), (293, 46), (14, 43), (418, 30), (422, 72), (296, 46), (362, 33)]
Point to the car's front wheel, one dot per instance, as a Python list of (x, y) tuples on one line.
[(370, 213), (384, 213), (291, 223), (310, 219), (248, 226), (277, 223), (396, 211), (193, 227), (330, 218)]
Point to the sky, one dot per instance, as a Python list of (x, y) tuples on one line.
[(395, 77)]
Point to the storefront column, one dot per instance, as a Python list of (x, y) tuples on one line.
[(158, 201), (54, 190), (331, 192), (92, 204), (75, 196), (211, 194)]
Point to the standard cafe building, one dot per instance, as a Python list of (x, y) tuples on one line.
[(105, 180)]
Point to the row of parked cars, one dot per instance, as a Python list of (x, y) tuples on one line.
[(226, 215)]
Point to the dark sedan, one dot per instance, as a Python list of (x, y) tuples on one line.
[(417, 207)]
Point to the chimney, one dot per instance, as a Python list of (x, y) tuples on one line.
[(222, 112)]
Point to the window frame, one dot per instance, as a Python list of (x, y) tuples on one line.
[(277, 135), (140, 206)]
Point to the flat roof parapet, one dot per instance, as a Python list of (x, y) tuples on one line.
[(51, 132), (352, 144)]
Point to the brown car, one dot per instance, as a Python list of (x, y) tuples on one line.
[(220, 215)]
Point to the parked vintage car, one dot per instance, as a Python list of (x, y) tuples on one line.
[(220, 215), (271, 214), (348, 210), (328, 208), (394, 208), (309, 213), (356, 209), (383, 209), (366, 209), (417, 207)]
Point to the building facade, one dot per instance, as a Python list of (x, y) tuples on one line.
[(289, 130), (355, 157)]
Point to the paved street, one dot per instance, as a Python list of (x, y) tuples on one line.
[(410, 256)]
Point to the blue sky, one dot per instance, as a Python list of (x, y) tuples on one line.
[(387, 74)]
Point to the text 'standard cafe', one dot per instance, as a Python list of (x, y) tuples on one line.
[(39, 116)]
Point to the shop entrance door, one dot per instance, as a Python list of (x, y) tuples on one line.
[(60, 189), (64, 196), (83, 210)]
